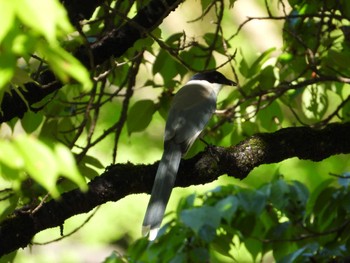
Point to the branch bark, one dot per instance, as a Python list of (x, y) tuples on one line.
[(113, 44), (121, 180)]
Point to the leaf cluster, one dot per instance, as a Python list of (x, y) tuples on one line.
[(279, 217)]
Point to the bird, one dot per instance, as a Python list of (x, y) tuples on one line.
[(191, 109)]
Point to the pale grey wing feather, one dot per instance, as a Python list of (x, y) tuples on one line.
[(188, 117)]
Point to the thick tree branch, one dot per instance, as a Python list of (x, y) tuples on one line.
[(121, 180), (113, 44)]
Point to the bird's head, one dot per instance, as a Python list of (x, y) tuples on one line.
[(214, 77)]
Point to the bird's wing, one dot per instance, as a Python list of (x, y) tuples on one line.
[(192, 108)]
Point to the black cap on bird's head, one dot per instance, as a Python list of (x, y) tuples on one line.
[(213, 77)]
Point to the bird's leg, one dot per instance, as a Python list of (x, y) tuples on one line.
[(211, 148), (203, 141)]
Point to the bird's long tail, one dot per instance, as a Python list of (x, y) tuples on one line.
[(162, 187)]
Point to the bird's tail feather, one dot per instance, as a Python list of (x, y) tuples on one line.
[(162, 187)]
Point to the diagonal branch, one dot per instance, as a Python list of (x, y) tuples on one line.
[(114, 44), (121, 180)]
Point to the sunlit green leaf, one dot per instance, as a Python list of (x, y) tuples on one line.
[(67, 165), (65, 65), (40, 162), (10, 155), (270, 117), (7, 69), (7, 15), (48, 18), (315, 102), (21, 77)]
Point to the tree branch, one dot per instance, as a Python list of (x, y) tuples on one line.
[(121, 180)]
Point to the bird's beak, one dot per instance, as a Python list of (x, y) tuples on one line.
[(230, 82)]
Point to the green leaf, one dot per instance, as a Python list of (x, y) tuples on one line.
[(40, 162), (298, 197), (285, 57), (197, 218), (7, 69), (207, 233), (223, 242), (254, 247), (227, 207), (142, 44), (219, 45), (205, 4), (67, 165), (345, 112), (252, 202), (244, 68), (8, 203), (345, 8), (311, 205), (64, 64), (49, 128), (167, 67), (21, 45), (7, 14), (197, 58), (114, 258), (255, 68), (236, 135), (87, 166), (267, 78), (198, 254), (21, 77), (302, 253), (174, 39), (140, 115), (324, 208), (279, 193), (139, 248), (315, 102), (337, 60), (48, 18), (249, 128), (31, 121), (88, 172), (267, 117), (10, 155), (88, 159), (11, 174), (293, 256)]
